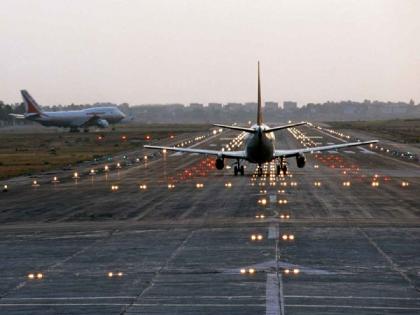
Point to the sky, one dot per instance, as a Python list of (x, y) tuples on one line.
[(167, 51)]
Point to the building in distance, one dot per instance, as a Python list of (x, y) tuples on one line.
[(289, 106)]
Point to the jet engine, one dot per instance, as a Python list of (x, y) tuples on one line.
[(220, 163), (102, 123), (300, 160)]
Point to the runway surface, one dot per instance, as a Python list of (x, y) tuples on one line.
[(150, 248)]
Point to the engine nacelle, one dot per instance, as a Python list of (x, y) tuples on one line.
[(300, 160), (102, 123), (220, 163)]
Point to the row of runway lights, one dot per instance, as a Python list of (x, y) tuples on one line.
[(307, 142), (76, 176), (374, 183), (41, 276), (408, 154), (258, 237)]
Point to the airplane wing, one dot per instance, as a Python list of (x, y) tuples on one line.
[(94, 120), (252, 130), (87, 121), (224, 154), (18, 116), (290, 153), (285, 126)]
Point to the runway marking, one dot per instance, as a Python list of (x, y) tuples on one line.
[(272, 306), (394, 266), (215, 305), (354, 307), (61, 262), (353, 297), (333, 297), (135, 304), (273, 231), (157, 273)]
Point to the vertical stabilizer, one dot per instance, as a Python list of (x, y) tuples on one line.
[(259, 112), (31, 105)]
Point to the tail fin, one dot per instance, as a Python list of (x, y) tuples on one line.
[(259, 112), (31, 105)]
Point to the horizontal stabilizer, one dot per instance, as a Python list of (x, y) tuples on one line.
[(285, 126), (236, 128)]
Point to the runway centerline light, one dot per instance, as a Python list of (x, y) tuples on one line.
[(5, 188), (75, 175), (114, 187)]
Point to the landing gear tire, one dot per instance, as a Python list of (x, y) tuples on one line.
[(235, 170), (260, 171), (278, 170), (242, 170), (284, 169)]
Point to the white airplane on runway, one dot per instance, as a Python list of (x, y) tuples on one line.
[(97, 116), (259, 145)]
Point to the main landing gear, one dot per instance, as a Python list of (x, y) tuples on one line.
[(259, 171), (282, 167), (238, 169)]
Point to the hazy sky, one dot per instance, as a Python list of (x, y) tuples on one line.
[(84, 51)]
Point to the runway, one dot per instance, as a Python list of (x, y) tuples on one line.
[(188, 248)]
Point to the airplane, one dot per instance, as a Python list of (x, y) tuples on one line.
[(100, 117), (259, 145)]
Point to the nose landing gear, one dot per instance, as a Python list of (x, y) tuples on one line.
[(238, 169), (260, 171)]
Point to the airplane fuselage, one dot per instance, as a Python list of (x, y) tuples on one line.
[(259, 146), (73, 119)]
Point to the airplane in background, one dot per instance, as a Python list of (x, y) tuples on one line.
[(100, 117), (259, 145)]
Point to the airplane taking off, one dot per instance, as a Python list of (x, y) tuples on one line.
[(97, 116), (259, 145)]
